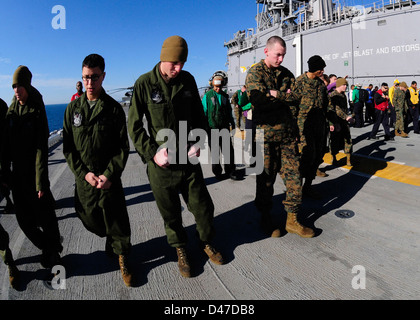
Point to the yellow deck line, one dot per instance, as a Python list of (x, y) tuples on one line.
[(380, 168), (375, 167)]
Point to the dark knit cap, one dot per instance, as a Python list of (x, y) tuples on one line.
[(174, 49), (22, 77), (316, 63)]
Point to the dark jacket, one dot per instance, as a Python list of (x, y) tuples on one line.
[(26, 142), (96, 142)]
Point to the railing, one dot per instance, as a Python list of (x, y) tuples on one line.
[(304, 20)]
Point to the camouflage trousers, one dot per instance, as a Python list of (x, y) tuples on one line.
[(400, 122), (341, 139), (312, 152), (283, 158), (238, 116)]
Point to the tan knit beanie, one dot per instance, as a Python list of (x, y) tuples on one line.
[(340, 82), (174, 49)]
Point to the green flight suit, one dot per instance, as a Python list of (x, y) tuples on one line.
[(24, 166), (219, 116), (95, 140), (4, 237), (165, 107)]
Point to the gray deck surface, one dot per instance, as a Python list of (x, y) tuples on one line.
[(363, 221)]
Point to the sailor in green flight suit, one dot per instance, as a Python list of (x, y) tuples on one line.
[(168, 97), (24, 167), (95, 144), (5, 252)]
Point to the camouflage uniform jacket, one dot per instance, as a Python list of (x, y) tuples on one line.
[(338, 103), (235, 98), (314, 106), (399, 101), (273, 114)]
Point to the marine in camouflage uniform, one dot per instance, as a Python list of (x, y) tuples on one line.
[(267, 84), (312, 120), (237, 108), (340, 137), (400, 104)]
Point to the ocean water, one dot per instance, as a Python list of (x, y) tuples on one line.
[(55, 115)]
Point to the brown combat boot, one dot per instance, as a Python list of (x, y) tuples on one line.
[(126, 275), (320, 173), (293, 226), (183, 264), (403, 134), (268, 226), (213, 254), (14, 274)]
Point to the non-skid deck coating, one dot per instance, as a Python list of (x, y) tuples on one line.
[(367, 224)]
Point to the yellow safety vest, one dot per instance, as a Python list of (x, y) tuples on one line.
[(414, 95)]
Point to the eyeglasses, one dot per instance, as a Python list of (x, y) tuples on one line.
[(93, 78)]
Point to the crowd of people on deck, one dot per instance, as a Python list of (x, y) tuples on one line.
[(298, 120), (393, 107)]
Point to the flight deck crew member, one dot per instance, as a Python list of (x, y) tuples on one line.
[(381, 100), (219, 116), (96, 147), (24, 165), (413, 105), (167, 96), (267, 84)]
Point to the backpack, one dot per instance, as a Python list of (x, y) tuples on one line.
[(363, 95)]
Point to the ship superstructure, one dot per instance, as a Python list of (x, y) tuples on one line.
[(370, 44)]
